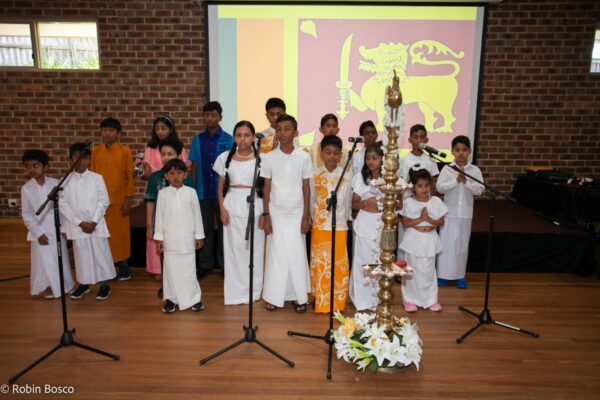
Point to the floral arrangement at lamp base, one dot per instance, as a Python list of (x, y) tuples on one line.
[(361, 341)]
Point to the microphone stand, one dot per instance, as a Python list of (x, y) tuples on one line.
[(67, 336), (331, 206), (250, 331), (485, 317)]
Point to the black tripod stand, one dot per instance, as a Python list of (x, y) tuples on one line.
[(14, 278), (66, 338), (331, 205), (485, 317), (250, 331)]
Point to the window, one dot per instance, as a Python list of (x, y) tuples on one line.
[(49, 45), (15, 45), (596, 53)]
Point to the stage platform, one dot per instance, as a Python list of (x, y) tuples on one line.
[(160, 352), (526, 242)]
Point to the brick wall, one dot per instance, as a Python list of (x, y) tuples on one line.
[(540, 105), (152, 61)]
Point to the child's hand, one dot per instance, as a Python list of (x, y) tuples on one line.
[(43, 240), (424, 214), (224, 216), (199, 243), (126, 207), (305, 227), (461, 178), (267, 225), (85, 227), (92, 226), (370, 205), (159, 247)]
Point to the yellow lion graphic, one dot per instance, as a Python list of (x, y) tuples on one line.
[(434, 94)]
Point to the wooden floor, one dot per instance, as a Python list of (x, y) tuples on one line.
[(160, 353)]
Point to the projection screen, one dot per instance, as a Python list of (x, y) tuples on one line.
[(339, 59)]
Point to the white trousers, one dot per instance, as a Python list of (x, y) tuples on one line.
[(452, 261)]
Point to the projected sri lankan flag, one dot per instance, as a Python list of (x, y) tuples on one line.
[(334, 59)]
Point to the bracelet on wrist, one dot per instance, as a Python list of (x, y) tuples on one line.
[(265, 214)]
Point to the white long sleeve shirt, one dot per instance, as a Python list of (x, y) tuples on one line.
[(458, 196), (178, 222), (33, 196), (84, 199)]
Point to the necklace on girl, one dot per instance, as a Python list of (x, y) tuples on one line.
[(237, 152)]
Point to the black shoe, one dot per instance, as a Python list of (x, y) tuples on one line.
[(81, 291), (159, 294), (123, 276), (169, 307), (198, 306), (103, 293)]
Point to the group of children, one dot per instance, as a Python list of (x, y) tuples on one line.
[(197, 220)]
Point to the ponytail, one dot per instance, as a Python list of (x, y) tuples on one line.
[(227, 162)]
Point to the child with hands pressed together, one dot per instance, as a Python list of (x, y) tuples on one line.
[(421, 215), (458, 193)]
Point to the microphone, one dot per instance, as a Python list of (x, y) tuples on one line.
[(259, 136), (431, 150), (138, 169), (356, 139)]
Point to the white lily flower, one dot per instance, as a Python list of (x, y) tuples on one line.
[(413, 355), (394, 352), (410, 335)]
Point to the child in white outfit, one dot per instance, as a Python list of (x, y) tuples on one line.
[(41, 231), (458, 193), (421, 215)]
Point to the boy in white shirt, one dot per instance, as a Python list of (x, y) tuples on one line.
[(286, 219), (83, 203), (178, 231), (41, 230), (458, 193)]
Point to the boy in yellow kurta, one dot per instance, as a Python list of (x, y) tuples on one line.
[(325, 179), (114, 162), (274, 108)]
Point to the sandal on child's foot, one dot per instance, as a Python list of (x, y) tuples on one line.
[(270, 307), (436, 307), (299, 308), (409, 307)]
